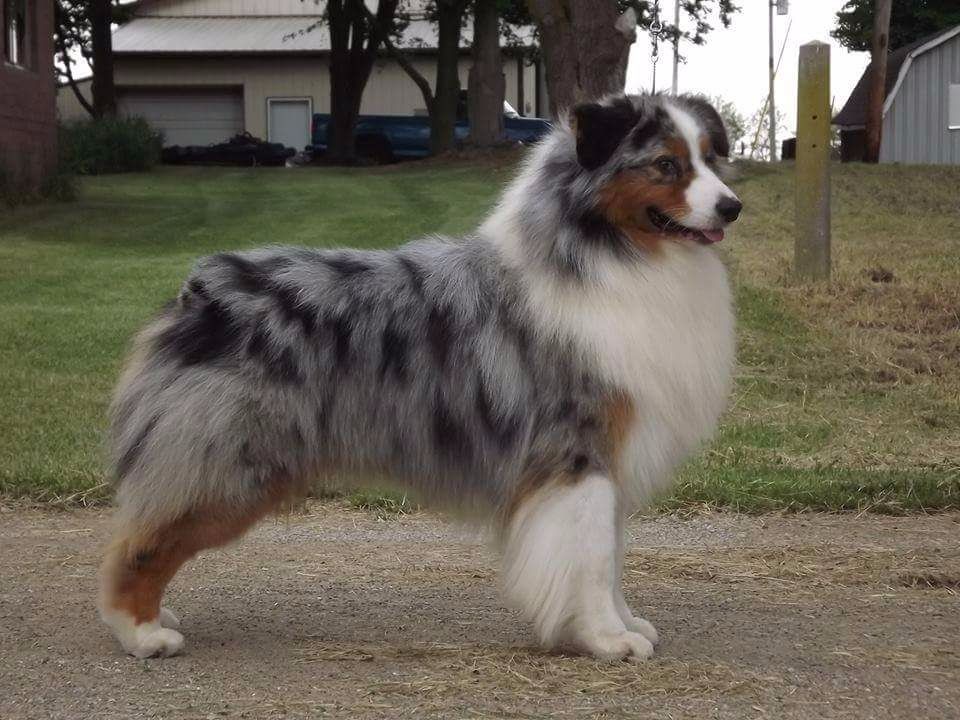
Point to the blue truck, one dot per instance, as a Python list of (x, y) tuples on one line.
[(385, 138)]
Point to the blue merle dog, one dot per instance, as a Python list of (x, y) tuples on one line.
[(549, 371)]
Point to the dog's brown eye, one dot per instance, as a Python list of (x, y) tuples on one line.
[(668, 166)]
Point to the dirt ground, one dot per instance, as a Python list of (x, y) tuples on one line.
[(338, 613)]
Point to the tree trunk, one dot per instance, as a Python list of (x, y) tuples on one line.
[(486, 85), (446, 94), (340, 130), (102, 89), (878, 79), (355, 36), (343, 118), (586, 44)]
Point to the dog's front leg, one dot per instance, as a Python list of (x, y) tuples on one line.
[(562, 565)]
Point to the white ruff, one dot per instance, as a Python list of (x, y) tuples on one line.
[(663, 331)]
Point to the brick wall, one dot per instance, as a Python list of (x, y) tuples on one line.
[(28, 129)]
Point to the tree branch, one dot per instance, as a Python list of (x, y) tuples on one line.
[(76, 91), (67, 72), (402, 60)]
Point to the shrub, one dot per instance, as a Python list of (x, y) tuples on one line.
[(62, 184), (110, 145)]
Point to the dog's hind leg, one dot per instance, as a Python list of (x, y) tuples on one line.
[(561, 566), (142, 560)]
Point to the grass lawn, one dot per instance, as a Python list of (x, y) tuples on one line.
[(848, 393)]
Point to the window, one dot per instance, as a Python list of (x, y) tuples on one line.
[(15, 31), (953, 109)]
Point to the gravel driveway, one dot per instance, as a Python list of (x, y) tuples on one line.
[(336, 612)]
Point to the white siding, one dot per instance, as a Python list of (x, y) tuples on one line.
[(389, 91), (68, 107)]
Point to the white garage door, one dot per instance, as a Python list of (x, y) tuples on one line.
[(186, 116)]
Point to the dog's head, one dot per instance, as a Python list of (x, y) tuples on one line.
[(656, 166)]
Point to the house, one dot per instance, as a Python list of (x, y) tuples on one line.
[(203, 70), (921, 112), (28, 128)]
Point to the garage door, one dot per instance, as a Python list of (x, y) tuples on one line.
[(187, 116)]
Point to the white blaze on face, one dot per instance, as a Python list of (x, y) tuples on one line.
[(706, 189)]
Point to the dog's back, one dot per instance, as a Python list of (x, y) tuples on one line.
[(273, 367)]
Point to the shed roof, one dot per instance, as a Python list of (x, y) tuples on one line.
[(854, 111), (256, 33), (218, 35)]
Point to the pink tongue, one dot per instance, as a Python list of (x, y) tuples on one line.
[(713, 236)]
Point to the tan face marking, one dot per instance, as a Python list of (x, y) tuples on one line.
[(625, 198), (706, 147)]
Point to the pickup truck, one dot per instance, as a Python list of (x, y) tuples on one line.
[(385, 138)]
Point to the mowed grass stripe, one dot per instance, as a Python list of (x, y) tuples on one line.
[(847, 394)]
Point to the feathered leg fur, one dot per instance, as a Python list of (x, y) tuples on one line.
[(562, 560)]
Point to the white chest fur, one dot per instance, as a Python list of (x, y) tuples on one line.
[(664, 333)]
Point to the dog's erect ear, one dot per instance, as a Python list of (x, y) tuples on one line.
[(712, 122), (600, 129)]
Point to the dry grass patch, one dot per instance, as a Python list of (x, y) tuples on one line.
[(526, 675), (939, 657), (809, 569), (854, 382)]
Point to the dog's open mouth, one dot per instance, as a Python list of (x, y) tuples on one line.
[(666, 224)]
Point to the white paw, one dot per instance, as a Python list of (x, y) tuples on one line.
[(639, 625), (626, 645), (169, 620), (159, 643), (148, 639)]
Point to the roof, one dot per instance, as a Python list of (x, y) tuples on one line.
[(854, 111), (219, 35), (157, 29)]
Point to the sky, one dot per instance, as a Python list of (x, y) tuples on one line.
[(733, 62)]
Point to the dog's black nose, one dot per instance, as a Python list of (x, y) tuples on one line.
[(729, 208)]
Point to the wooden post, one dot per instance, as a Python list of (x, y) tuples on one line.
[(812, 248), (879, 46)]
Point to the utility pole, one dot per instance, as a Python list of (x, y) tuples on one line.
[(676, 46), (783, 7), (771, 106), (878, 76)]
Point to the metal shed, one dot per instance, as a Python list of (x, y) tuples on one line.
[(921, 113)]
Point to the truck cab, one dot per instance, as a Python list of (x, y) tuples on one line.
[(385, 138)]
